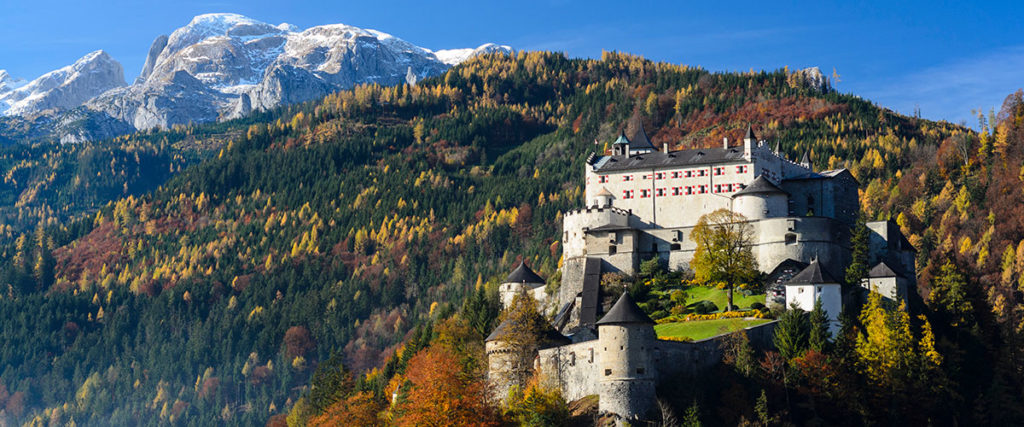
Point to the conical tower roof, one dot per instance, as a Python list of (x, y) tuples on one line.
[(812, 275), (621, 140), (604, 192), (625, 311), (638, 137), (523, 274), (760, 185)]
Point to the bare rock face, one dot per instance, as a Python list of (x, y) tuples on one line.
[(67, 87)]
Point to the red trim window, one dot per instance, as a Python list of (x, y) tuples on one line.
[(602, 179), (675, 174), (689, 190), (659, 175), (627, 177), (741, 169), (645, 193), (703, 189), (718, 188), (659, 192), (719, 171), (702, 172), (628, 194), (689, 174)]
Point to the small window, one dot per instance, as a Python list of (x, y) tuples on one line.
[(689, 174), (607, 372), (790, 239), (612, 250), (640, 371), (645, 193), (572, 359), (627, 177), (676, 246), (689, 190), (660, 192), (602, 179)]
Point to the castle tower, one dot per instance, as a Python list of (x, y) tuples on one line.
[(761, 199), (510, 364), (603, 199), (812, 284), (521, 279), (627, 377)]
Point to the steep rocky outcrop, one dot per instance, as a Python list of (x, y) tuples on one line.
[(67, 87)]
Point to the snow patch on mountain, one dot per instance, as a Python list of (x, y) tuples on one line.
[(65, 88), (458, 56)]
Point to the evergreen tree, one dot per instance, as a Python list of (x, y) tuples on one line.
[(792, 332), (481, 310), (860, 252), (819, 335)]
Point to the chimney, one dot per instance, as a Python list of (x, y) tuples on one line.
[(725, 142), (666, 147)]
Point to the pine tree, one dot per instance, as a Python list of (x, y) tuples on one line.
[(791, 333), (860, 252), (819, 335)]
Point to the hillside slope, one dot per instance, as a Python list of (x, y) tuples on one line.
[(340, 224)]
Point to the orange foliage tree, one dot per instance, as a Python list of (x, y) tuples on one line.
[(360, 409), (440, 393)]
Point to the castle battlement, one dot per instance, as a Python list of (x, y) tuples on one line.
[(594, 210)]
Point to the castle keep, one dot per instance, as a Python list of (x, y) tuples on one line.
[(643, 203)]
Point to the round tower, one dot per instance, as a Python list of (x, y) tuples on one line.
[(603, 199), (627, 375), (522, 279), (761, 199)]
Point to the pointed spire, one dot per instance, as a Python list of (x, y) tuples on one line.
[(523, 274), (776, 147), (806, 160), (638, 139), (750, 134)]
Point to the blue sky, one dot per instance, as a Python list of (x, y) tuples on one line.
[(945, 57)]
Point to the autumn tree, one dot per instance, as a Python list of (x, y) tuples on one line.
[(359, 409), (897, 363), (522, 332), (723, 253), (441, 394)]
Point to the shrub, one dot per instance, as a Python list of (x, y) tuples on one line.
[(757, 306), (704, 307)]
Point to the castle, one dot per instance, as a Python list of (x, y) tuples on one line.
[(643, 203)]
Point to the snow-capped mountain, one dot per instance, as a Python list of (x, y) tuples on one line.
[(64, 88), (219, 66), (223, 66)]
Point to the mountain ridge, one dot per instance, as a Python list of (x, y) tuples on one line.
[(233, 65)]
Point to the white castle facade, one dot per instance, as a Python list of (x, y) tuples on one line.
[(643, 203)]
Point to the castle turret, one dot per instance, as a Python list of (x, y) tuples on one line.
[(761, 199), (627, 377), (603, 199), (812, 284), (522, 279), (748, 143)]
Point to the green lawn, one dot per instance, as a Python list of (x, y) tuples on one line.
[(720, 296), (701, 329)]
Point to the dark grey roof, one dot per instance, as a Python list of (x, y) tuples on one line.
[(549, 338), (591, 289), (523, 274), (882, 270), (610, 227), (812, 275), (750, 133), (658, 159), (638, 139), (760, 185), (625, 311)]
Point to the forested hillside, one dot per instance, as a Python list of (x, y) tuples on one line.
[(350, 225)]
